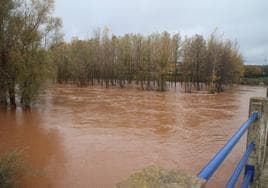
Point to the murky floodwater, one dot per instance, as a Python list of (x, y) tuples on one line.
[(93, 137)]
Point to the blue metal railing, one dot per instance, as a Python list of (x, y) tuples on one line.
[(217, 160), (234, 177), (248, 176)]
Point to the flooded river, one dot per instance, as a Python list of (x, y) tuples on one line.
[(94, 138)]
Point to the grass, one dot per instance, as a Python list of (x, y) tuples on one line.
[(11, 170), (156, 177)]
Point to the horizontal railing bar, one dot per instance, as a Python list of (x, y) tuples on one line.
[(216, 161), (247, 179), (234, 177)]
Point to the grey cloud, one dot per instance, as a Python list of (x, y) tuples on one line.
[(241, 20)]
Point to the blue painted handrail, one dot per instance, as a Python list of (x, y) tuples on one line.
[(213, 165), (234, 177), (248, 177)]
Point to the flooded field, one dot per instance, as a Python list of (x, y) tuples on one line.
[(94, 137)]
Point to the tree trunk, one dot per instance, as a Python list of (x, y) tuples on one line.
[(12, 97), (3, 99)]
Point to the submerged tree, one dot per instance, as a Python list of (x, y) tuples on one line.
[(214, 62), (26, 28), (194, 60), (119, 60), (151, 61), (225, 63)]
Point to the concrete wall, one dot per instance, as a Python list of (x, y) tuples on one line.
[(257, 133)]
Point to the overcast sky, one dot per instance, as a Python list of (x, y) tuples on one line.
[(243, 20)]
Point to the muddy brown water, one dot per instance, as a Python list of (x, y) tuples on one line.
[(94, 137)]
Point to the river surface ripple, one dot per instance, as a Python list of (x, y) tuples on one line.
[(94, 137)]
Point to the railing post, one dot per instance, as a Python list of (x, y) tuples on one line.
[(257, 133)]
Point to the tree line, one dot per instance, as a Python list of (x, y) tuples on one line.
[(149, 62), (32, 50), (255, 75), (255, 71), (116, 60)]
